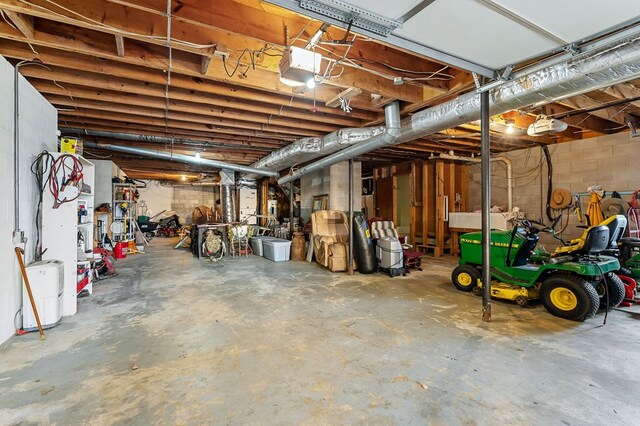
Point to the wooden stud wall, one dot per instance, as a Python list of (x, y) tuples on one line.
[(429, 183)]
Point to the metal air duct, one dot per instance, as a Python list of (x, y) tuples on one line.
[(388, 137), (227, 196), (583, 73), (307, 149), (184, 159)]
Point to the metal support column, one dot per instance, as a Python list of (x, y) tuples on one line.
[(485, 176), (350, 268), (292, 197)]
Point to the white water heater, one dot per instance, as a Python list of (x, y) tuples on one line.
[(47, 286)]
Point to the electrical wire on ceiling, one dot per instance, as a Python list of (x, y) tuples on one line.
[(111, 28), (437, 75), (252, 56)]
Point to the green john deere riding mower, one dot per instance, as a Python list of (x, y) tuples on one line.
[(571, 284)]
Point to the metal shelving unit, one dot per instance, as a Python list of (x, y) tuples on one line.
[(123, 207)]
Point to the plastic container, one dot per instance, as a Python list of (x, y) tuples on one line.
[(143, 219), (256, 244), (120, 250), (277, 249)]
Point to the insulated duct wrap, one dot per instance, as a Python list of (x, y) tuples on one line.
[(183, 158), (583, 73), (227, 192), (306, 149)]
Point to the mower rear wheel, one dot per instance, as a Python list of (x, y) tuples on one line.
[(569, 296), (465, 277), (615, 288)]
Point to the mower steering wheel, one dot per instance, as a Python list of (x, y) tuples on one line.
[(532, 229)]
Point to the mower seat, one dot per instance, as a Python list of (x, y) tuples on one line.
[(596, 241), (616, 224)]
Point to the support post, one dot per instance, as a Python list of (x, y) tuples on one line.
[(291, 200), (350, 268), (485, 176)]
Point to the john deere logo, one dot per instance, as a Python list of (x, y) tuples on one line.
[(493, 243)]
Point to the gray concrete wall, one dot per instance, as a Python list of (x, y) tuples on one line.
[(335, 182), (187, 198), (38, 124), (608, 161), (156, 196)]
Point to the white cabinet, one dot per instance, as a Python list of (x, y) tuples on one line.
[(248, 200), (61, 227)]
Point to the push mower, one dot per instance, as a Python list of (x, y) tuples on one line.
[(570, 284)]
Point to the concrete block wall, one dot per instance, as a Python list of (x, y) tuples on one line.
[(608, 161), (333, 181), (156, 196), (187, 198), (38, 124)]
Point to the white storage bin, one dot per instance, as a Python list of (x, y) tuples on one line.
[(277, 249), (256, 244)]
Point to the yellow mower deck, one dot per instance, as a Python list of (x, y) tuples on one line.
[(520, 295)]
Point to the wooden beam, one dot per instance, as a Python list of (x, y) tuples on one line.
[(425, 203), (119, 45), (151, 29), (624, 91), (267, 24), (23, 22), (439, 248), (122, 76), (205, 60), (176, 123), (159, 114), (585, 102), (182, 110), (238, 141), (183, 101)]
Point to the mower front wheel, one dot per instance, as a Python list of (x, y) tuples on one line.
[(570, 297), (465, 277)]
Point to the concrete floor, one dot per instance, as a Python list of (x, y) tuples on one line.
[(176, 340)]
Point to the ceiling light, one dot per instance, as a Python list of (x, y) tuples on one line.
[(197, 155), (510, 123), (184, 178), (311, 83), (544, 125), (298, 65)]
